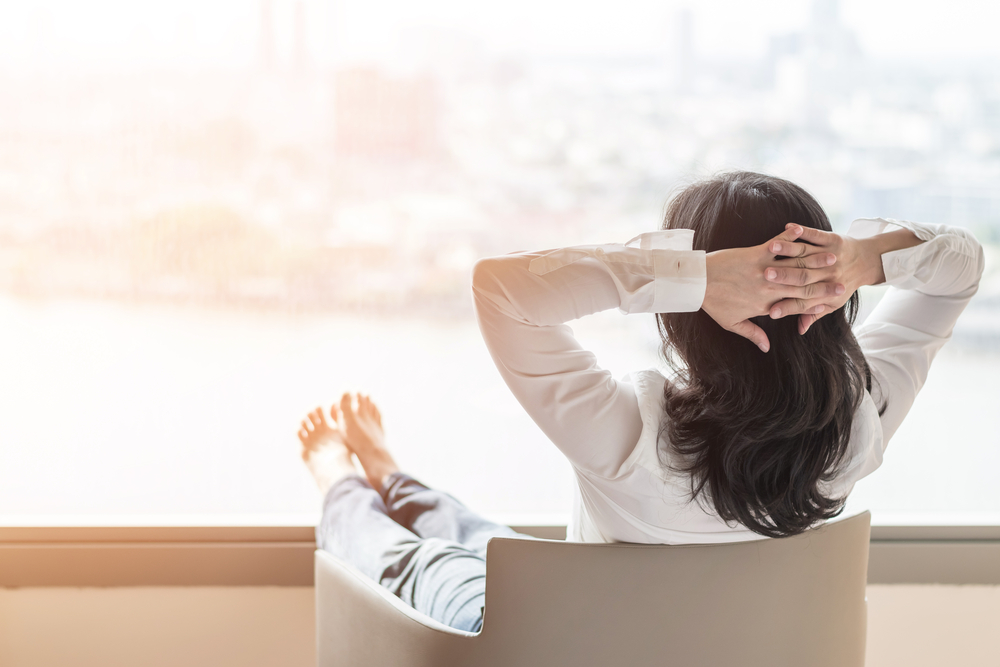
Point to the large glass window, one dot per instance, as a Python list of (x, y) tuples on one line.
[(217, 215)]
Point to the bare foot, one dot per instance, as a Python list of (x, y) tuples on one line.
[(364, 435), (324, 451)]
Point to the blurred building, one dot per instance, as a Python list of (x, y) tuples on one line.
[(265, 45), (301, 48), (973, 206), (380, 116), (812, 69), (682, 63)]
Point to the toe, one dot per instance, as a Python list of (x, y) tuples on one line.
[(345, 408), (372, 411)]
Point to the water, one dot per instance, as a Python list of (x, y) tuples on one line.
[(161, 414)]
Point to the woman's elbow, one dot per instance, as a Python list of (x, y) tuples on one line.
[(489, 272), (483, 272), (970, 255), (976, 261)]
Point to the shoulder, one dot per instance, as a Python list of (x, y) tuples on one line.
[(648, 386)]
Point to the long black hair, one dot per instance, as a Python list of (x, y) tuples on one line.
[(758, 433)]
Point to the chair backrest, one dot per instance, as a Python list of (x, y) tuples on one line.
[(794, 601)]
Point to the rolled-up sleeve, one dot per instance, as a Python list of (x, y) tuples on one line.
[(523, 302), (931, 284)]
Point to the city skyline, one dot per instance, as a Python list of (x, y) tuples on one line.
[(222, 243), (421, 172)]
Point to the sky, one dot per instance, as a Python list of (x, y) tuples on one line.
[(110, 34)]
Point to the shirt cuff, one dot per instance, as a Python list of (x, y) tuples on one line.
[(899, 266), (680, 281), (656, 272), (863, 228), (679, 274)]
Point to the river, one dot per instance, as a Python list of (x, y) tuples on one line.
[(163, 414)]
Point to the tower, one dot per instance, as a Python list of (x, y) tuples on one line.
[(683, 51), (266, 44), (301, 53)]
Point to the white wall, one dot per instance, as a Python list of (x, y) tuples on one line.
[(157, 627), (933, 626), (915, 626)]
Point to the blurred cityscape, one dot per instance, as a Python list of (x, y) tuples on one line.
[(193, 254), (363, 187)]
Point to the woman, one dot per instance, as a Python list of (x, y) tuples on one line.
[(773, 413)]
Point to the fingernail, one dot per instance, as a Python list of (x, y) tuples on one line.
[(776, 313), (818, 309), (796, 229), (840, 289), (771, 274), (830, 259), (763, 348), (776, 247)]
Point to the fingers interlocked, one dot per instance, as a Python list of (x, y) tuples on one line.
[(808, 272)]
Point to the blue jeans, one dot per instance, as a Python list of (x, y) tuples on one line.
[(421, 544)]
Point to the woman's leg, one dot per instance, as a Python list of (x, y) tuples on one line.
[(437, 577), (432, 513), (426, 512)]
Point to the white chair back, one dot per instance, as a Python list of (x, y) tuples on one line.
[(795, 601)]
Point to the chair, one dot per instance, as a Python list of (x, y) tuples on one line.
[(797, 601)]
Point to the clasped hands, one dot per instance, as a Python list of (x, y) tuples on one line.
[(817, 273)]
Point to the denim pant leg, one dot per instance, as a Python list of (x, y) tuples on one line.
[(431, 513), (438, 577)]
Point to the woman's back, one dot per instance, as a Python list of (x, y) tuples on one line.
[(635, 483)]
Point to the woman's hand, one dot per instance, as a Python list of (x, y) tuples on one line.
[(852, 269), (859, 263), (737, 288)]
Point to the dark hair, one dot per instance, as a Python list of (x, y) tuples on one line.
[(758, 433)]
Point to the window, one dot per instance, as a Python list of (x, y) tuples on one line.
[(217, 215)]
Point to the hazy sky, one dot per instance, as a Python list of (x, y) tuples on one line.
[(116, 33)]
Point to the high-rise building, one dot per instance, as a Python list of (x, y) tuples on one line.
[(301, 53), (380, 116), (682, 51), (266, 45), (332, 33), (824, 13), (814, 68)]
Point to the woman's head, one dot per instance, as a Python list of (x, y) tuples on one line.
[(758, 433)]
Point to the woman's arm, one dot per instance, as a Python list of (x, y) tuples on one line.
[(932, 283), (859, 263), (934, 271), (523, 301)]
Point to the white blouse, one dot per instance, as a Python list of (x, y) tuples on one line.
[(608, 429)]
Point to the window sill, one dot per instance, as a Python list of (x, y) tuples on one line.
[(282, 555)]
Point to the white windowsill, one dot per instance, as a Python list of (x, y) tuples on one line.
[(248, 550)]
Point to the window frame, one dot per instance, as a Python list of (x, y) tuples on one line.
[(282, 555)]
